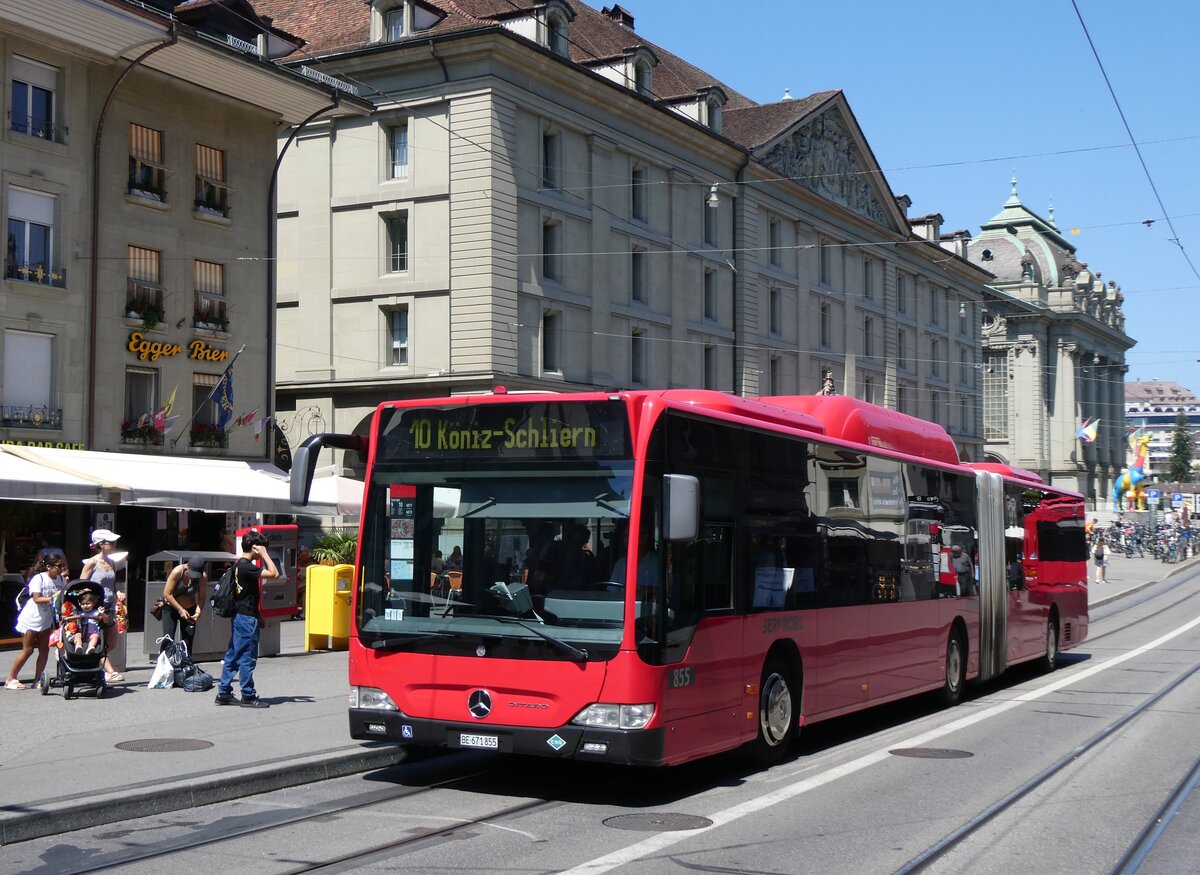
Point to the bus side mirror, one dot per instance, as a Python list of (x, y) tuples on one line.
[(304, 461), (681, 507)]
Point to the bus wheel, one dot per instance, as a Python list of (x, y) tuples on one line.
[(776, 713), (1049, 662), (956, 670)]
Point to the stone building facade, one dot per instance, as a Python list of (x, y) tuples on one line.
[(545, 200), (1054, 347)]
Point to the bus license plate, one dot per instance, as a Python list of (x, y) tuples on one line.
[(491, 742)]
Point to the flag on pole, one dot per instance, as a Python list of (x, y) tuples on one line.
[(1087, 432), (224, 399), (161, 415)]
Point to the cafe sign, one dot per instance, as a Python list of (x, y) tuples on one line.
[(153, 350)]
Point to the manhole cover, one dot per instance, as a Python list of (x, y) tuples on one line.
[(164, 745), (931, 753), (657, 822)]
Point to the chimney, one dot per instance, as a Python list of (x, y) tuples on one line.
[(619, 15), (928, 227)]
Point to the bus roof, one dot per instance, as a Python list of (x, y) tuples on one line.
[(874, 426), (1008, 471)]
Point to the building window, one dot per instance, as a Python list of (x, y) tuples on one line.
[(29, 381), (550, 251), (962, 317), (31, 239), (637, 357), (935, 305), (33, 90), (775, 375), (397, 231), (995, 399), (715, 116), (868, 390), (710, 367), (902, 293), (398, 151), (642, 82), (868, 279), (556, 34), (205, 430), (935, 408), (774, 238), (966, 425), (964, 366), (551, 341), (637, 185), (393, 24), (711, 215), (637, 275), (212, 194), (147, 176), (935, 357), (902, 349), (710, 294), (825, 251), (141, 402), (143, 286), (210, 306), (868, 336), (550, 161), (775, 311), (398, 335), (826, 322), (902, 398)]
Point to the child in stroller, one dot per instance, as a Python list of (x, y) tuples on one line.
[(80, 640), (85, 623)]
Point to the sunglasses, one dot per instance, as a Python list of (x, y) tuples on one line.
[(56, 564)]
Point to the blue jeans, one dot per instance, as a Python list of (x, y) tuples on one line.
[(241, 656)]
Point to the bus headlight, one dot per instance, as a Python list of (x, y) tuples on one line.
[(615, 716), (372, 699)]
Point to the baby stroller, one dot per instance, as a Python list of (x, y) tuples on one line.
[(77, 667)]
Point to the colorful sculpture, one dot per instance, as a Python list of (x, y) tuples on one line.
[(1127, 483)]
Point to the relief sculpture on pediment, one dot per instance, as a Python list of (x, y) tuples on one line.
[(821, 156)]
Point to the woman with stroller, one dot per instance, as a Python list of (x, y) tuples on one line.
[(182, 597), (36, 619), (100, 568)]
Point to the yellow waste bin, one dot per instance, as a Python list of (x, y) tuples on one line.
[(327, 594)]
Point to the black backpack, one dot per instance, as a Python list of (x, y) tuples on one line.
[(224, 593)]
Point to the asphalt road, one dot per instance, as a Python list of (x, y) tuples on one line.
[(1039, 773)]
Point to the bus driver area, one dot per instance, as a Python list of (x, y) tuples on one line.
[(652, 577)]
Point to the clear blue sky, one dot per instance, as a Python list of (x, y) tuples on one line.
[(953, 99)]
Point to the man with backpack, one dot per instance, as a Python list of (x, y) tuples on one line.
[(242, 655)]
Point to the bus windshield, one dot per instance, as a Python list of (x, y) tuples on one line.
[(470, 550)]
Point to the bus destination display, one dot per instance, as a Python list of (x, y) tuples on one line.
[(507, 431)]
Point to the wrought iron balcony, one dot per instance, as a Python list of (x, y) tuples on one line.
[(39, 272), (22, 416), (42, 128)]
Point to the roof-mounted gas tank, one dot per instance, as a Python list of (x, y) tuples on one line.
[(863, 423)]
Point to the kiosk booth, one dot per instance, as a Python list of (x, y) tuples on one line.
[(212, 632)]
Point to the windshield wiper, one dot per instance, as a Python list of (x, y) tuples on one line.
[(602, 501), (487, 502), (577, 653), (392, 643)]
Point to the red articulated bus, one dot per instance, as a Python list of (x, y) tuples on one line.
[(794, 559)]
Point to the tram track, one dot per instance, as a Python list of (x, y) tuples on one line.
[(1137, 851)]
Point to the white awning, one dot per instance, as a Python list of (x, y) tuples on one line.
[(183, 482)]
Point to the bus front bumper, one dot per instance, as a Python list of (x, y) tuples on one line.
[(631, 747)]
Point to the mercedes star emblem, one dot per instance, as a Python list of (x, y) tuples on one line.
[(480, 704)]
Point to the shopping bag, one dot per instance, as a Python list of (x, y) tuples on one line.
[(164, 673)]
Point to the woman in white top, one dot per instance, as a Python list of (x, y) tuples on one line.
[(101, 569), (37, 616)]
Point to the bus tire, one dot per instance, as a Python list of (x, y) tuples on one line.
[(1049, 661), (777, 712), (956, 669)]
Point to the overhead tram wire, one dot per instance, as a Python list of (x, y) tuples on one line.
[(1174, 238)]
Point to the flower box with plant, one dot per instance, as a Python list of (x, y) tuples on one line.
[(134, 433), (149, 314), (208, 436)]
